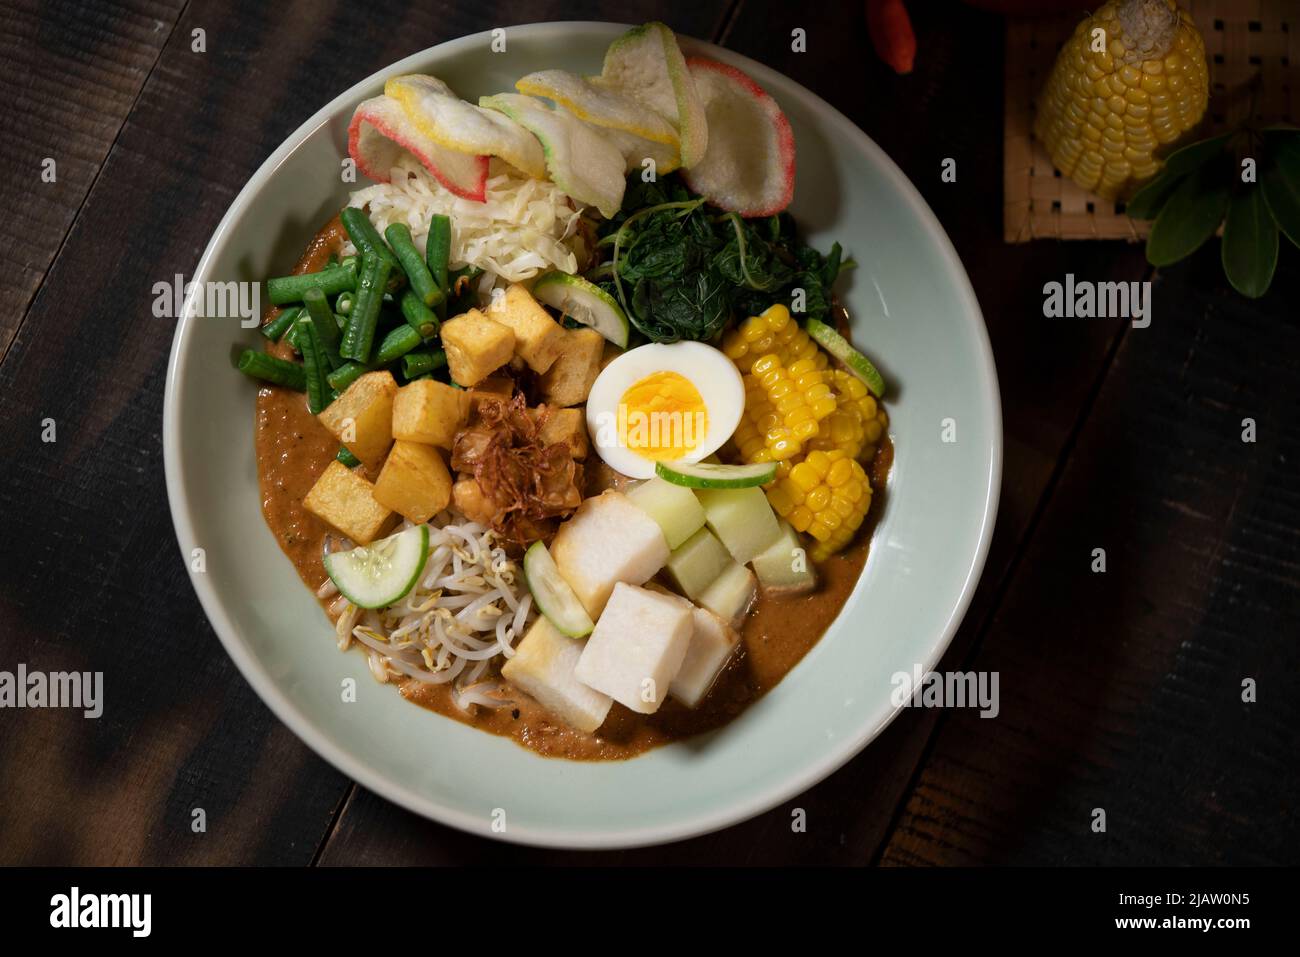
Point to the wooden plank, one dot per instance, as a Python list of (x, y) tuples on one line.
[(1123, 691), (1047, 371), (72, 73), (90, 576)]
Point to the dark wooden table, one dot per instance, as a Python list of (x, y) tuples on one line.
[(1120, 691)]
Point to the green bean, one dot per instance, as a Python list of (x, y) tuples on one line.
[(364, 317), (418, 364), (327, 328), (437, 249), (314, 366), (330, 281), (417, 273), (345, 375), (277, 327), (259, 365), (366, 238), (347, 458), (419, 316), (343, 304), (396, 344)]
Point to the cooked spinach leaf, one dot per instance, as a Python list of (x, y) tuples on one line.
[(684, 270)]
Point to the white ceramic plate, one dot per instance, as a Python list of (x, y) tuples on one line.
[(913, 311)]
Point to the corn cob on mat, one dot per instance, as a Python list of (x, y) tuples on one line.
[(1247, 42)]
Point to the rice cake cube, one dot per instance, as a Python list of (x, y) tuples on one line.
[(564, 425), (568, 380), (543, 666), (606, 541), (713, 642), (741, 518), (476, 347), (678, 512), (362, 417), (414, 482), (697, 562), (346, 501), (731, 594), (538, 337), (637, 647)]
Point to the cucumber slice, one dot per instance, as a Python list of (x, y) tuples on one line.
[(709, 475), (839, 347), (554, 598), (586, 302), (381, 573)]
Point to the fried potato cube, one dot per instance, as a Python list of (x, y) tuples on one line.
[(347, 501), (538, 337), (543, 665), (362, 417), (414, 482), (564, 425), (476, 347), (569, 378), (431, 412), (606, 541), (637, 647)]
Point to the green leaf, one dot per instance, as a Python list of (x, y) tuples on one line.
[(1249, 244), (1194, 155), (1189, 218), (1151, 198), (1280, 182)]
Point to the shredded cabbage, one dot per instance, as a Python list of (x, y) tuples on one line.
[(526, 226)]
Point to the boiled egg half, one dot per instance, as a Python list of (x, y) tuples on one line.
[(664, 402)]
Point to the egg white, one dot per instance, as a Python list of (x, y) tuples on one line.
[(714, 376)]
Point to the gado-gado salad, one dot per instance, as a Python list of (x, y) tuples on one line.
[(559, 417)]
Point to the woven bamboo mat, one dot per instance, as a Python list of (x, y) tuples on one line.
[(1243, 39)]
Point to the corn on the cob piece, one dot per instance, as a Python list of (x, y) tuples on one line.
[(818, 424), (857, 423), (826, 495), (1104, 113), (775, 332), (793, 401)]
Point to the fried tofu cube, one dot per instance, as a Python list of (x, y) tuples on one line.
[(476, 347), (564, 425), (713, 642), (637, 647), (543, 666), (493, 387), (347, 501), (538, 337), (431, 412), (362, 417), (414, 482), (606, 541), (570, 376)]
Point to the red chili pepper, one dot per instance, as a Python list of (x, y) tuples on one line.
[(891, 32)]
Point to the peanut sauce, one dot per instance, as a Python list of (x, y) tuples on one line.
[(293, 448)]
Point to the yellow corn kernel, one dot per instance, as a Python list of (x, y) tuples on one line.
[(800, 517)]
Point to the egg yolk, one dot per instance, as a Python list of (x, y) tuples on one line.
[(662, 417)]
